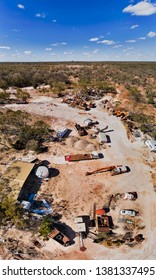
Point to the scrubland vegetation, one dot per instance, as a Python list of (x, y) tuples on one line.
[(20, 132), (34, 74), (138, 79)]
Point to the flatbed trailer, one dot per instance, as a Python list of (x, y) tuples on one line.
[(78, 157)]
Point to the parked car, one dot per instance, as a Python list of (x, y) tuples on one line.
[(102, 138), (89, 122), (62, 132), (130, 195), (151, 144), (119, 169), (128, 212)]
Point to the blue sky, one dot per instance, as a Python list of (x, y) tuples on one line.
[(79, 30)]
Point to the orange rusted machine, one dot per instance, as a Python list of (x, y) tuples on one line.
[(114, 170)]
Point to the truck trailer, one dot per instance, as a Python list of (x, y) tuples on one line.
[(78, 157)]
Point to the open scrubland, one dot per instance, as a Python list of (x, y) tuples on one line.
[(39, 99)]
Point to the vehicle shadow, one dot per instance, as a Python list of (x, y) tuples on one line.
[(108, 139), (128, 169)]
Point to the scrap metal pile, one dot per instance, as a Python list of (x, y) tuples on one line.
[(79, 102)]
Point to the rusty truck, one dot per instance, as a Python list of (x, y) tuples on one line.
[(78, 157), (114, 170)]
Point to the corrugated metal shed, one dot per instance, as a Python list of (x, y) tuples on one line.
[(16, 174)]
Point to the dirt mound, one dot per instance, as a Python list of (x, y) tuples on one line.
[(91, 147), (80, 144), (71, 140)]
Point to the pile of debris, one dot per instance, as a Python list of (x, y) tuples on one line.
[(81, 130), (126, 196), (15, 249), (77, 101)]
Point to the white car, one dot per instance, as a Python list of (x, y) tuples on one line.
[(128, 212)]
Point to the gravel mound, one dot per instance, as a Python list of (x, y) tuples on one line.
[(91, 147), (81, 144)]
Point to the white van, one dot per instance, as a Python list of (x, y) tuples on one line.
[(102, 138), (151, 144), (62, 132)]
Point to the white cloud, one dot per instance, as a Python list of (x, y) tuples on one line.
[(69, 52), (52, 54), (48, 49), (95, 51), (107, 42), (16, 30), (94, 39), (2, 54), (27, 52), (143, 8), (54, 44), (17, 54), (54, 20), (134, 26), (20, 6), (40, 15), (142, 38), (151, 34), (87, 54), (75, 29), (5, 47), (127, 49), (117, 46), (130, 41), (59, 44)]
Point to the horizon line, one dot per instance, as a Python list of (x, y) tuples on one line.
[(83, 61)]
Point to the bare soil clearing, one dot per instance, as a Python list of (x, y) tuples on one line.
[(74, 194)]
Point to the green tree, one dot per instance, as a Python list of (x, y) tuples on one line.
[(11, 210), (135, 94), (4, 96), (46, 226), (150, 96), (22, 95)]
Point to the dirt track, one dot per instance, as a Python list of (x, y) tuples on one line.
[(81, 192)]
